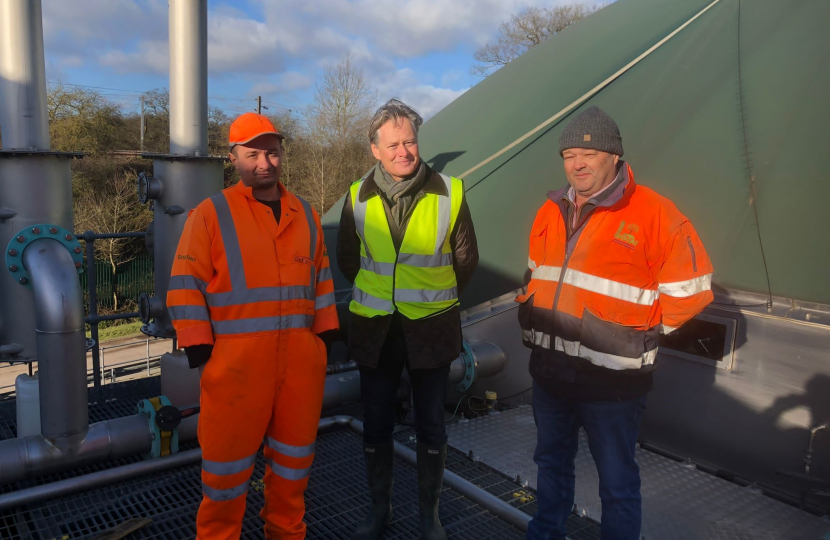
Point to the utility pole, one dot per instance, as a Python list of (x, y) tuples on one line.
[(259, 104), (142, 124)]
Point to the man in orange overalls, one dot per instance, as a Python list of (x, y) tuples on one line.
[(250, 291)]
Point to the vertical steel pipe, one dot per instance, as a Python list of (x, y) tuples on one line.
[(23, 113), (61, 343), (188, 77)]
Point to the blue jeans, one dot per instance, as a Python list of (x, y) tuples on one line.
[(612, 428)]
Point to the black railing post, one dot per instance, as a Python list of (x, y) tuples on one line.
[(91, 283)]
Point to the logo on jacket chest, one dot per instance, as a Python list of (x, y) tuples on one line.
[(625, 234)]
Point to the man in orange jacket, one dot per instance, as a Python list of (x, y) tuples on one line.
[(613, 265), (250, 291)]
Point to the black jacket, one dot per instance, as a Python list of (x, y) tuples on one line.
[(430, 342)]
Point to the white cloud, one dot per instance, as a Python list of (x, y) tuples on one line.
[(81, 22), (425, 98), (452, 77), (405, 29), (321, 31), (293, 80), (286, 83), (150, 57), (279, 46)]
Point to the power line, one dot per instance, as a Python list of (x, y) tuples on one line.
[(95, 87), (220, 98)]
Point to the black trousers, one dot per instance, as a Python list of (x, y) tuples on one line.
[(379, 388)]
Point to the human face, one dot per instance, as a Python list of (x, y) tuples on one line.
[(259, 163), (589, 171), (397, 149)]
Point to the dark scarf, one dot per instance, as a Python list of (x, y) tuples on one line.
[(400, 195)]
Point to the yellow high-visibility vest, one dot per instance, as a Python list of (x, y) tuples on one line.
[(420, 280)]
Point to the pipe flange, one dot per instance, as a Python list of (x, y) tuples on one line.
[(469, 368), (163, 442), (90, 344), (21, 240), (149, 188), (149, 308)]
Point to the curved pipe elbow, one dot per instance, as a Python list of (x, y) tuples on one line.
[(59, 304)]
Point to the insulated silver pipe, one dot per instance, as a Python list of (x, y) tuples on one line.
[(489, 360), (35, 189), (98, 479), (188, 77), (490, 502), (61, 343), (113, 439), (104, 441), (500, 508), (341, 388), (23, 114)]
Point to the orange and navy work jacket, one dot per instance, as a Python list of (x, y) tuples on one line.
[(239, 273), (604, 287)]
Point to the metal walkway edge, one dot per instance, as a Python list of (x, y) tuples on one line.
[(679, 501), (336, 498)]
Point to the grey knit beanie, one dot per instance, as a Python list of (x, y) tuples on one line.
[(592, 128)]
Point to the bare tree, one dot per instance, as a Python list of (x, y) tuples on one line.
[(342, 104), (290, 128), (110, 210), (524, 31), (335, 151), (157, 120)]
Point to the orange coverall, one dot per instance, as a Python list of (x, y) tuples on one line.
[(259, 292)]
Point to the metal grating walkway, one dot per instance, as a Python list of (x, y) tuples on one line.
[(679, 501), (336, 498)]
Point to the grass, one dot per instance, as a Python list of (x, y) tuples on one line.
[(118, 331)]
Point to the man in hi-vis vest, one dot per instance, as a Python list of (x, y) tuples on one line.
[(407, 242)]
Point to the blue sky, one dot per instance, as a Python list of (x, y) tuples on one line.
[(418, 50)]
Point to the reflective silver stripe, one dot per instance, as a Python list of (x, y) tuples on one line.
[(575, 348), (312, 234), (324, 275), (600, 285), (379, 268), (225, 494), (614, 289), (261, 294), (290, 450), (685, 289), (312, 228), (366, 299), (666, 329), (425, 261), (228, 467), (444, 210), (186, 283), (425, 295), (231, 241), (531, 264), (188, 313), (261, 324), (325, 300), (547, 273), (360, 219), (287, 472)]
